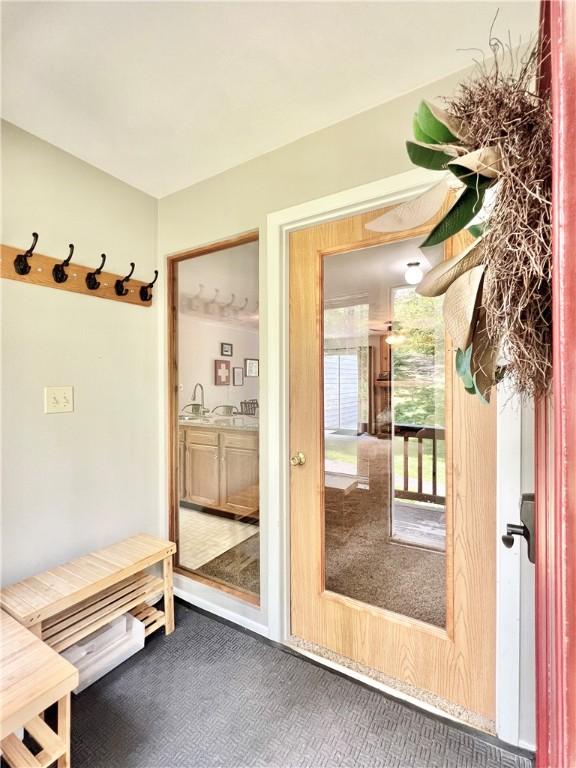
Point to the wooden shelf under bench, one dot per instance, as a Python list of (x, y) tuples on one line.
[(81, 620), (69, 602)]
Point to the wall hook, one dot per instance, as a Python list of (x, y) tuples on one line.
[(21, 261), (92, 282), (119, 284), (59, 270), (145, 292), (242, 306)]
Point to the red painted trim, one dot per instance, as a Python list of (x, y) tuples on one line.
[(556, 473), (563, 62)]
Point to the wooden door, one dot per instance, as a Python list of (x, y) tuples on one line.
[(454, 660)]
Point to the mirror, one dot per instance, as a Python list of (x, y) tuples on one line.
[(216, 367)]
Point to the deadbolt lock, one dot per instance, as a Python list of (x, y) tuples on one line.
[(298, 459)]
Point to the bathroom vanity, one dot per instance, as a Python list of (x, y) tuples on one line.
[(218, 464)]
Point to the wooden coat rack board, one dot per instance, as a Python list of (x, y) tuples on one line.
[(42, 273)]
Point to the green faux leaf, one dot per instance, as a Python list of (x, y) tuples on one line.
[(419, 134), (477, 230), (463, 211), (469, 178), (427, 156), (433, 122), (463, 360)]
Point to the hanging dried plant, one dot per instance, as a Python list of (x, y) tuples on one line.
[(495, 133)]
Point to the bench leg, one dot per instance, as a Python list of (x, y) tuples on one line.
[(168, 595), (64, 729)]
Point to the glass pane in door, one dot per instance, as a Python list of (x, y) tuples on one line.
[(384, 433)]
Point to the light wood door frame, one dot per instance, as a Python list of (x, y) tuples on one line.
[(173, 447), (456, 663)]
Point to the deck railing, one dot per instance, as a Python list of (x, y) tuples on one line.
[(418, 434)]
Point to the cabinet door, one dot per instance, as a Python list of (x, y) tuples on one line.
[(202, 474), (239, 480)]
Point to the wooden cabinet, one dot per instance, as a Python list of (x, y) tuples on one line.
[(202, 474), (219, 469)]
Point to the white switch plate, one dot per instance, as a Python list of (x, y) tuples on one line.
[(58, 399)]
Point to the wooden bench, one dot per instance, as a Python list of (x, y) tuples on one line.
[(32, 678), (69, 602)]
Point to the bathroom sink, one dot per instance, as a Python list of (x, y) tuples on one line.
[(195, 419)]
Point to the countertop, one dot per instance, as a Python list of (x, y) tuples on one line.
[(240, 423)]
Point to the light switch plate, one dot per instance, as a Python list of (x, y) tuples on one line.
[(58, 399)]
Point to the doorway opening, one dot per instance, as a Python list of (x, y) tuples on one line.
[(214, 415)]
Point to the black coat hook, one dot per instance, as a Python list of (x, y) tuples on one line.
[(59, 270), (92, 281), (119, 284), (21, 261), (145, 292)]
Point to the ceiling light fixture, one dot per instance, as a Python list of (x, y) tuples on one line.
[(394, 339), (413, 273)]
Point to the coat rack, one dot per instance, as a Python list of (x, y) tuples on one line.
[(28, 266)]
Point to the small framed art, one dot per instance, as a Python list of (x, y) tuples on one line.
[(222, 373), (251, 367), (238, 377), (226, 349)]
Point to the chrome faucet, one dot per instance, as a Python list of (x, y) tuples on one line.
[(201, 395), (194, 410)]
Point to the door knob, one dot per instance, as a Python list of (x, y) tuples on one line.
[(298, 459)]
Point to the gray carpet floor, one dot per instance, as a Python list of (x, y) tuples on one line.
[(361, 561), (211, 695), (238, 566)]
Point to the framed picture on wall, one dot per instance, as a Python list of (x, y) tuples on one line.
[(226, 349), (222, 373), (238, 377), (251, 367)]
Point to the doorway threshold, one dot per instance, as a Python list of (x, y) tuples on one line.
[(418, 697)]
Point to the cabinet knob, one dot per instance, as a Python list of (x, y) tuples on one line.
[(298, 459)]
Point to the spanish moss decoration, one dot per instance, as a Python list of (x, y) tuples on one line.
[(494, 135)]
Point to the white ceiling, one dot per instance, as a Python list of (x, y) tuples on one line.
[(164, 94), (371, 272)]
